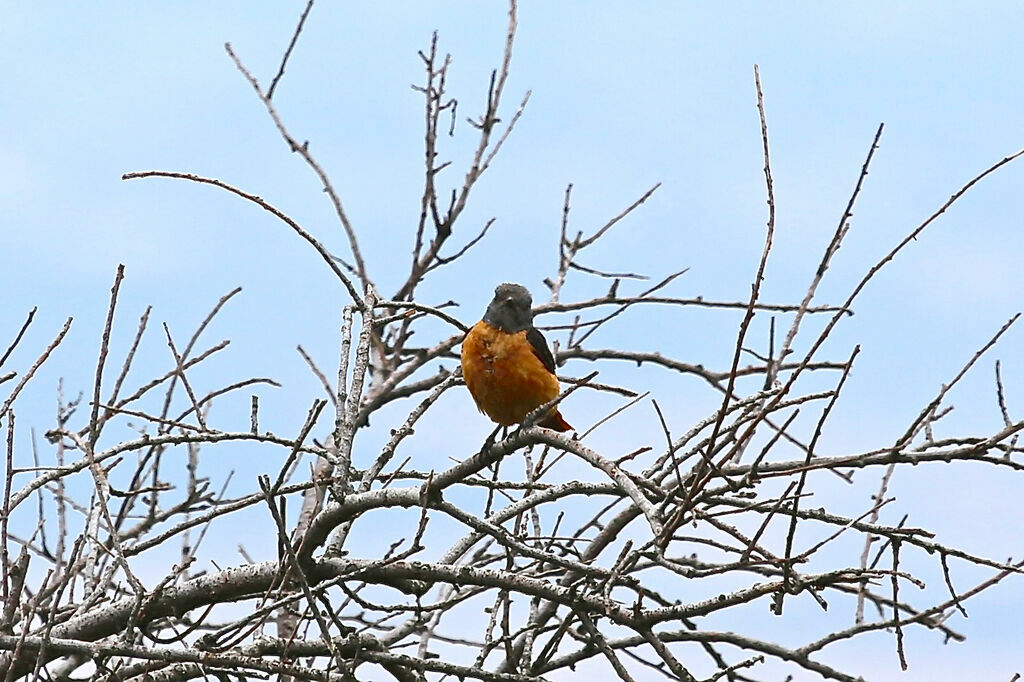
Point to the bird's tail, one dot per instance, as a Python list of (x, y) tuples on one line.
[(555, 422)]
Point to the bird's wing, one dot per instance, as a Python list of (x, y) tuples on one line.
[(540, 348)]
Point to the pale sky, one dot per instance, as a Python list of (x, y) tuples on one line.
[(624, 95)]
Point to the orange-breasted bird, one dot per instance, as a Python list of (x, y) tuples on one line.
[(507, 364)]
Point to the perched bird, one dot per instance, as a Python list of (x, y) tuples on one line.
[(506, 362)]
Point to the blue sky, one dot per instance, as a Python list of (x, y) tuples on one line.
[(624, 96)]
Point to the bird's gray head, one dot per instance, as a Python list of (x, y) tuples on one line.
[(511, 309)]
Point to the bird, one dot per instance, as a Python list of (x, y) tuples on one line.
[(506, 362)]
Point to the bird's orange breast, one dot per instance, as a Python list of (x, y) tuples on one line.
[(504, 375)]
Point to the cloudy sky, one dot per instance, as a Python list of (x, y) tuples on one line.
[(623, 96)]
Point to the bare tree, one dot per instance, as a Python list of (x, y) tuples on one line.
[(621, 570)]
